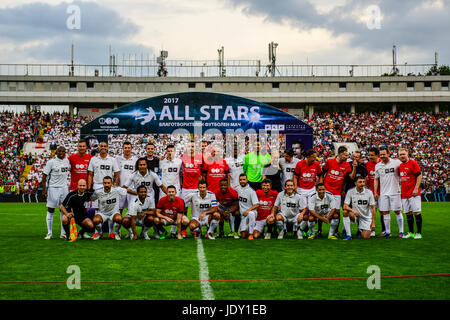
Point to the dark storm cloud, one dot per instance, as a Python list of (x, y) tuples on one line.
[(405, 22), (45, 23)]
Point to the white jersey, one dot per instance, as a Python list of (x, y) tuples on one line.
[(291, 205), (321, 206), (236, 168), (170, 172), (361, 201), (136, 180), (389, 175), (287, 169), (247, 197), (200, 205), (126, 168), (108, 203), (57, 170), (137, 206), (103, 167)]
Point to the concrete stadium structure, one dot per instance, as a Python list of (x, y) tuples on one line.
[(95, 95)]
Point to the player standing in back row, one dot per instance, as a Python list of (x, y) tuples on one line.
[(387, 179), (335, 171), (57, 170), (374, 158), (126, 163), (410, 179)]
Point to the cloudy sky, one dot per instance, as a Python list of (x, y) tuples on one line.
[(317, 32)]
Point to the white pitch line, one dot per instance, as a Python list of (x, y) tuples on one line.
[(207, 291)]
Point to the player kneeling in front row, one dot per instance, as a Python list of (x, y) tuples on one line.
[(321, 208), (204, 211), (289, 208), (73, 206), (170, 211), (363, 208), (267, 198), (108, 204), (228, 208), (141, 213), (248, 203)]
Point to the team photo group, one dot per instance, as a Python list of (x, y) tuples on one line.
[(257, 192)]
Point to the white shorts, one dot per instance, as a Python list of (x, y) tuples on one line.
[(390, 203), (203, 222), (245, 221), (185, 195), (337, 202), (413, 204), (260, 224), (305, 194), (139, 223), (56, 196), (364, 224), (106, 217), (292, 220)]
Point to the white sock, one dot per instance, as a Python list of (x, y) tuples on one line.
[(212, 226), (231, 223), (110, 225), (117, 228), (99, 228), (251, 221), (333, 225), (311, 226), (346, 221), (63, 232), (387, 222), (280, 225), (173, 229), (303, 225), (400, 222), (145, 229), (49, 222), (130, 231)]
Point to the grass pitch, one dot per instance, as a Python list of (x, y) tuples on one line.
[(26, 256)]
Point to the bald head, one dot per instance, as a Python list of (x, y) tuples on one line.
[(81, 186)]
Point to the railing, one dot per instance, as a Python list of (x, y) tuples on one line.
[(210, 68)]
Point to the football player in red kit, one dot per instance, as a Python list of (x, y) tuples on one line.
[(266, 198), (228, 207)]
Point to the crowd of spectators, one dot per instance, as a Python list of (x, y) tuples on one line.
[(426, 135)]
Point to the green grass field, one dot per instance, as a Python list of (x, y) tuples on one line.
[(26, 256)]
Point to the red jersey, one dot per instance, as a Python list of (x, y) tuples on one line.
[(307, 174), (408, 173), (334, 178), (226, 199), (215, 171), (370, 168), (266, 202), (79, 169), (170, 208), (191, 171)]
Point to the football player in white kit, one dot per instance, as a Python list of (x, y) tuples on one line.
[(126, 163), (287, 165), (363, 208), (387, 178), (248, 205), (170, 168), (321, 207), (204, 211), (236, 165), (141, 213), (57, 170), (289, 208), (108, 203), (99, 167)]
